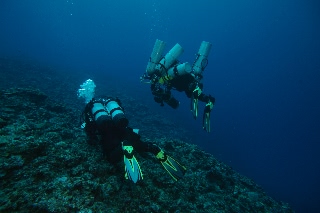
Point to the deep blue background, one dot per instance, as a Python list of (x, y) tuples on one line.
[(264, 70)]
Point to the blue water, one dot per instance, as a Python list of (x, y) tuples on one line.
[(264, 70)]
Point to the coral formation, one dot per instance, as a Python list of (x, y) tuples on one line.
[(47, 166)]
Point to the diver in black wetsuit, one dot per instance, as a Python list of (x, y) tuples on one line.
[(166, 74), (105, 122)]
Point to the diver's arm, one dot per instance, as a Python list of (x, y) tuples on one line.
[(164, 95), (157, 92), (170, 100)]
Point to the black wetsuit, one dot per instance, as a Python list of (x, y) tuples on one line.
[(110, 136), (182, 83), (111, 142)]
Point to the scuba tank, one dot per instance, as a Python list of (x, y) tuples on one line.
[(99, 114), (169, 59), (104, 113), (202, 58), (116, 112), (176, 70)]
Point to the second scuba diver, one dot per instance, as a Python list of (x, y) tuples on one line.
[(166, 73)]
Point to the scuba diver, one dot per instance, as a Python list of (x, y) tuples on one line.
[(106, 123), (167, 73)]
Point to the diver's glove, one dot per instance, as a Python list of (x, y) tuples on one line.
[(206, 116), (194, 101), (131, 165), (175, 169)]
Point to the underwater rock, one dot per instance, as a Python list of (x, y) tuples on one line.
[(47, 166), (3, 122)]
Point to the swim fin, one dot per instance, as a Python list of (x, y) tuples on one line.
[(194, 101), (206, 116), (173, 167), (131, 165)]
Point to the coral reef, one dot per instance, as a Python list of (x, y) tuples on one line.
[(46, 165)]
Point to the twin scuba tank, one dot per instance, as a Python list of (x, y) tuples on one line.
[(108, 112), (163, 64)]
